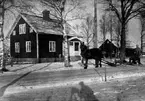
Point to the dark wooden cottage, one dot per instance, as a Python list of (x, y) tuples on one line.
[(36, 39), (109, 49)]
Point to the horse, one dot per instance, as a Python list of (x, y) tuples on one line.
[(94, 53), (134, 57)]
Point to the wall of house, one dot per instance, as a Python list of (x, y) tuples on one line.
[(44, 45), (22, 38)]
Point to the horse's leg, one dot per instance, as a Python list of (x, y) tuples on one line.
[(96, 63), (86, 64), (100, 62), (82, 60)]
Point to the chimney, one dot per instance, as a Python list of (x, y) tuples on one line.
[(46, 15)]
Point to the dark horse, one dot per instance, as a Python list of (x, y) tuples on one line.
[(94, 53)]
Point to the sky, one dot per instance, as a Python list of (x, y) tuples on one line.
[(134, 25)]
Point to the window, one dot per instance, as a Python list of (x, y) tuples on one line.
[(22, 29), (14, 32), (31, 30), (17, 47), (76, 46), (28, 46), (52, 46)]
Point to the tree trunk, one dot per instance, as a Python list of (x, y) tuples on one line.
[(3, 56), (3, 45), (95, 39), (66, 48), (122, 43), (66, 53), (141, 40)]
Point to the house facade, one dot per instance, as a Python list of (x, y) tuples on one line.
[(39, 39), (35, 39)]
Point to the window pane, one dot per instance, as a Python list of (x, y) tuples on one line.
[(28, 46), (14, 32), (17, 47), (20, 29), (52, 46), (76, 46), (24, 28)]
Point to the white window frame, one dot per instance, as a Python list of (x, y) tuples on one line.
[(22, 28), (52, 46), (17, 47), (28, 46), (14, 32), (30, 30)]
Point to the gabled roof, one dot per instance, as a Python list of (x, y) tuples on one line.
[(42, 26), (108, 43), (38, 24)]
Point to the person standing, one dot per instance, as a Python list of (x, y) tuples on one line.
[(138, 53)]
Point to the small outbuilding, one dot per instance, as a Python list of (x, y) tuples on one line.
[(109, 49)]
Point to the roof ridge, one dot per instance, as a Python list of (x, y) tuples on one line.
[(31, 15)]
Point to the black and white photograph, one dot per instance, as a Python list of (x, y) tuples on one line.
[(72, 50)]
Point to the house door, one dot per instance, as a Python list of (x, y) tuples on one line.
[(76, 48)]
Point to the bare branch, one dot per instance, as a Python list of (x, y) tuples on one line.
[(129, 10), (114, 9), (71, 9)]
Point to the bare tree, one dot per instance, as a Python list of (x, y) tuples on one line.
[(117, 30), (8, 6), (4, 6), (125, 10), (104, 26), (142, 34), (62, 8), (87, 30)]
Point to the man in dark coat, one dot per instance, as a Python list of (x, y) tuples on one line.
[(137, 54)]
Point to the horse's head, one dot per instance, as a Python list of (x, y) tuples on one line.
[(83, 47)]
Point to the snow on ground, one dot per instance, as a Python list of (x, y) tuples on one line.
[(122, 76), (50, 66), (58, 66)]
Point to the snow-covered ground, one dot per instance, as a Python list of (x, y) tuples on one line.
[(52, 66), (58, 66)]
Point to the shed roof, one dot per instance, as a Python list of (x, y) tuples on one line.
[(108, 44)]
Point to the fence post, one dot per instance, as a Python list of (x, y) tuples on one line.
[(105, 74)]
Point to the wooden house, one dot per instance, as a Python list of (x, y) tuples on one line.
[(36, 39), (109, 48)]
